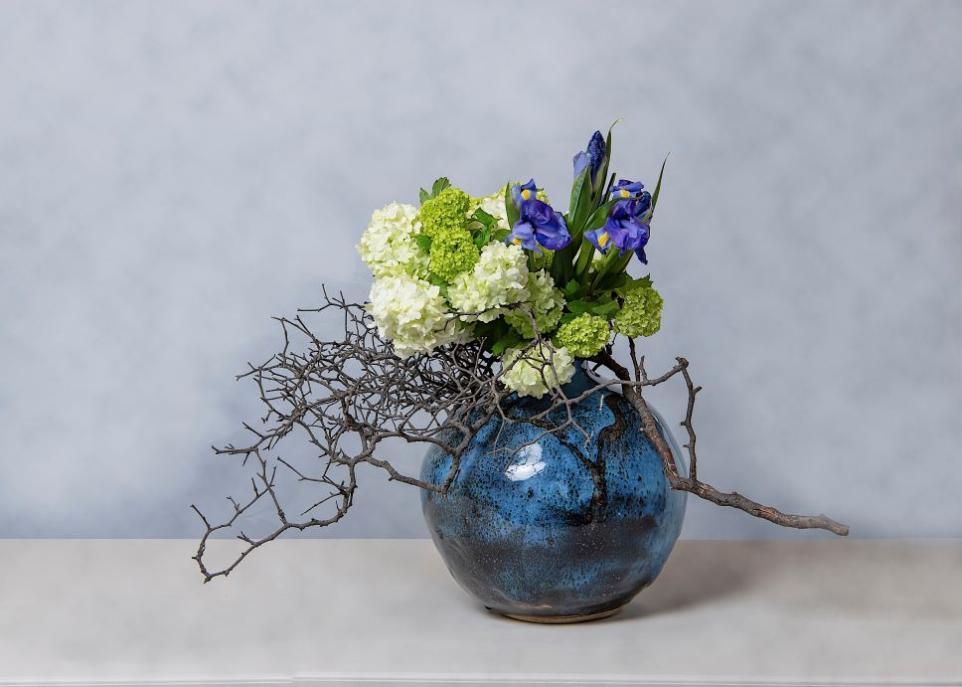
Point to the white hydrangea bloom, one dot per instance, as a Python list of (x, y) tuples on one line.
[(494, 206), (545, 303), (499, 278), (388, 247), (411, 313), (535, 370)]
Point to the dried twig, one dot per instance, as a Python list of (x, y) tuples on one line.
[(691, 483), (349, 395)]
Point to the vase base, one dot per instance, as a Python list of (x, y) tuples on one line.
[(562, 619)]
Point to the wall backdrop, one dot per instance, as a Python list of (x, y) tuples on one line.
[(174, 173)]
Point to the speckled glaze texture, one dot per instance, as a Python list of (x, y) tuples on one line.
[(548, 527)]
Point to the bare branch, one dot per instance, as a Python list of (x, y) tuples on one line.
[(347, 396), (691, 483)]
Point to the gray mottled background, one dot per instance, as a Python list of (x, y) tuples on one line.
[(173, 173)]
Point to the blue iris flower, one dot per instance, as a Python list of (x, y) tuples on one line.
[(522, 193), (625, 230), (626, 189), (593, 157), (641, 206), (539, 225)]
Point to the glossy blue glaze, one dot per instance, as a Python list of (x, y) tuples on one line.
[(526, 528)]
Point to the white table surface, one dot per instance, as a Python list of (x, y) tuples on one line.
[(387, 612)]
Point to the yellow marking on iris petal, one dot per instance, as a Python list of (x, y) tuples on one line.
[(526, 194), (625, 194), (603, 239), (517, 242)]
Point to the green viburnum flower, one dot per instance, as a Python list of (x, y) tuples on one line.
[(446, 211), (452, 252), (545, 303), (535, 370), (640, 315), (584, 336)]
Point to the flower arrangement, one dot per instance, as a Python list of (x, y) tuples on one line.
[(476, 301), (508, 269)]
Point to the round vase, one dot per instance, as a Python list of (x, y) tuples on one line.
[(557, 527)]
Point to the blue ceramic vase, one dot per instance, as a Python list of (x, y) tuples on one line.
[(548, 528)]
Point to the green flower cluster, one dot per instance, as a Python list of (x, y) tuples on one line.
[(640, 314), (584, 336), (452, 252), (545, 304), (444, 212)]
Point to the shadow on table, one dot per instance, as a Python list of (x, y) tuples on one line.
[(694, 575)]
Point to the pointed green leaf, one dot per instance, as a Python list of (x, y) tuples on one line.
[(482, 238), (509, 206), (597, 218), (585, 255), (632, 284), (484, 218), (654, 196), (580, 202), (439, 185)]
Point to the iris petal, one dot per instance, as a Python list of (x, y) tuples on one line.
[(517, 192)]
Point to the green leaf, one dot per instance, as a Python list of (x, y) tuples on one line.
[(500, 234), (491, 332), (436, 188), (606, 266), (561, 268), (483, 237), (506, 341), (580, 306), (485, 218), (423, 241), (613, 280), (654, 196), (598, 218), (509, 206), (606, 309), (632, 284), (439, 185), (580, 202), (571, 289), (585, 256)]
